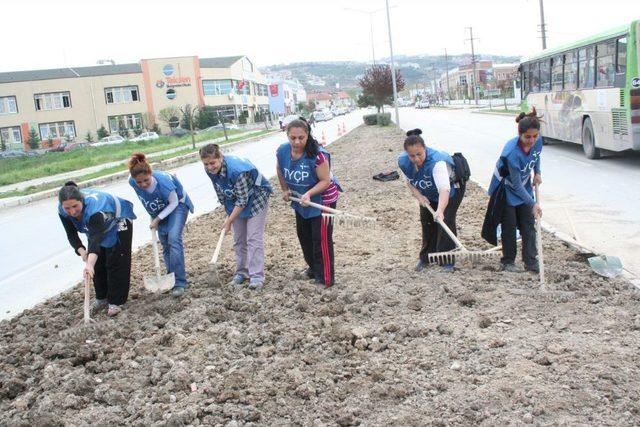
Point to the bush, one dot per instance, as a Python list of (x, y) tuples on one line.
[(384, 119), (137, 131), (124, 133), (206, 117), (156, 129), (102, 132), (370, 119), (243, 118), (88, 137), (34, 139)]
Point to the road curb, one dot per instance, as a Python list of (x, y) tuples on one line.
[(170, 162)]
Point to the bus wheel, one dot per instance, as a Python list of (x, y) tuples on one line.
[(589, 140)]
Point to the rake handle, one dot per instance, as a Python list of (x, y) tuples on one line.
[(445, 227), (156, 253), (539, 244), (87, 291), (216, 252), (317, 206)]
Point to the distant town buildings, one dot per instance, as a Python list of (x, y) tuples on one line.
[(285, 95)]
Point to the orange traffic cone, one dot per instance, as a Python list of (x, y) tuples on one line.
[(324, 139)]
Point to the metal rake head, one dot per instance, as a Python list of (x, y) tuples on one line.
[(349, 220), (452, 256)]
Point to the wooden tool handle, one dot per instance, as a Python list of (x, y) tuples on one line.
[(156, 253), (216, 253), (317, 206), (87, 296), (539, 242), (445, 227)]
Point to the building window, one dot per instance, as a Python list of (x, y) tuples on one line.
[(8, 105), (545, 75), (121, 95), (463, 80), (261, 90), (9, 136), (126, 121), (216, 87), (228, 112), (57, 130), (534, 76), (246, 87), (52, 101), (557, 72)]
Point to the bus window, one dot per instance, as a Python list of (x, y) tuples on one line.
[(534, 76), (557, 69), (570, 71), (586, 64), (545, 75), (523, 79), (621, 64), (605, 64)]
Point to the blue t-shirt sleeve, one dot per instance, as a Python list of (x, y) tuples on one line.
[(518, 188)]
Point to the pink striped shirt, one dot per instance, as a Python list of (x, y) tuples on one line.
[(330, 195)]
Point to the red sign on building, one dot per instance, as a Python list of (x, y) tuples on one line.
[(273, 90)]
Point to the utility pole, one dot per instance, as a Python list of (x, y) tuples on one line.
[(393, 69), (542, 26), (473, 61), (373, 52), (446, 64)]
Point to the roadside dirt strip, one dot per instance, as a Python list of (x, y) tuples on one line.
[(385, 345)]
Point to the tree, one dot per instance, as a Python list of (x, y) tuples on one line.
[(243, 118), (88, 137), (377, 85), (123, 132), (170, 116), (34, 139), (188, 116), (102, 132), (206, 117)]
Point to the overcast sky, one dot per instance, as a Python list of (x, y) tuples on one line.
[(58, 33)]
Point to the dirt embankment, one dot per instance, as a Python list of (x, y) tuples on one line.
[(386, 345)]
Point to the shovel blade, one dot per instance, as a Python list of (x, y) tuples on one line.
[(159, 284), (607, 266)]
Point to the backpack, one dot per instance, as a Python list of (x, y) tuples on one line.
[(461, 168)]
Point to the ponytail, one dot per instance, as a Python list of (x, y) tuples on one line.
[(138, 165), (70, 191), (528, 121)]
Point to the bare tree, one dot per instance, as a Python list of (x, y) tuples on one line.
[(170, 116)]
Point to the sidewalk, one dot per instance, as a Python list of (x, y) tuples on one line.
[(23, 200)]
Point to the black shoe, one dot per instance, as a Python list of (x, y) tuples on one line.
[(511, 268), (421, 265), (532, 269)]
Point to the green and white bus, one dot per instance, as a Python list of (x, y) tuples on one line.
[(588, 91)]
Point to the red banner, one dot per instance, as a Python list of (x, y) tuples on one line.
[(273, 90)]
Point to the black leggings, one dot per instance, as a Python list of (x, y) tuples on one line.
[(112, 276), (434, 238), (316, 240)]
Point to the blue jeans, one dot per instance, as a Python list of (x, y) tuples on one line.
[(170, 235)]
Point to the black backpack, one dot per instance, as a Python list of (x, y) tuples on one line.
[(462, 169)]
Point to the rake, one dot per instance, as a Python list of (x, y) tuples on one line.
[(460, 252), (212, 277), (87, 325), (337, 217)]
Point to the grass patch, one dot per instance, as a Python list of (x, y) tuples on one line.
[(114, 169), (20, 169)]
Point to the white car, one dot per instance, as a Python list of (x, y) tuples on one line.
[(423, 103), (109, 140), (288, 119), (145, 136), (218, 127)]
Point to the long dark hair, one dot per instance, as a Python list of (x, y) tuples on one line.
[(313, 146), (414, 138), (528, 121), (70, 191)]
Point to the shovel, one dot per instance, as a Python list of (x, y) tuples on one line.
[(159, 282), (212, 278)]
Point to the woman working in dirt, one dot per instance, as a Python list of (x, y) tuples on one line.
[(428, 175), (519, 157), (164, 198), (244, 192), (106, 220), (304, 171)]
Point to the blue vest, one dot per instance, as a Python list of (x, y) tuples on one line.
[(113, 207), (525, 164), (155, 202), (422, 178), (300, 176), (224, 185)]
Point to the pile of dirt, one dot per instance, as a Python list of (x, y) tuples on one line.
[(386, 345)]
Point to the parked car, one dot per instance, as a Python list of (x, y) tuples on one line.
[(58, 148), (178, 131), (145, 136), (423, 103), (110, 140), (288, 119), (76, 146)]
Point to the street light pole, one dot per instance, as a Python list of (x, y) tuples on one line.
[(446, 61), (393, 69), (373, 52), (542, 27)]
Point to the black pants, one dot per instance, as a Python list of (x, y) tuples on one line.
[(522, 218), (434, 238), (113, 269), (316, 240)]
